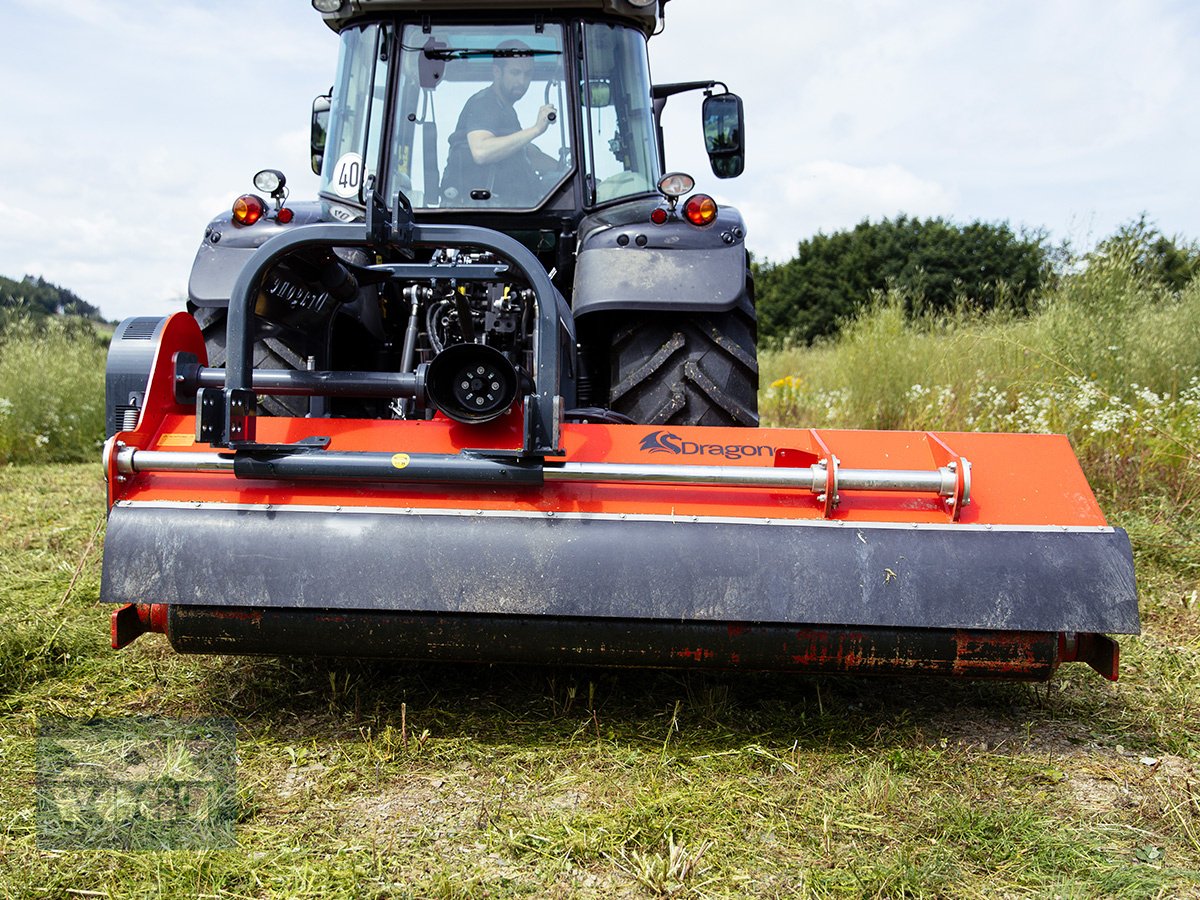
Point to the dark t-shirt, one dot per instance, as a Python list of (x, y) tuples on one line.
[(511, 180)]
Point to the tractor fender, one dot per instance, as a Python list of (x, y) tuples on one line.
[(627, 263), (227, 248)]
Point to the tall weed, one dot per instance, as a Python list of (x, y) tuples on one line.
[(51, 391), (1109, 357)]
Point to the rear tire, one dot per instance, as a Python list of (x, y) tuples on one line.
[(269, 352), (687, 368)]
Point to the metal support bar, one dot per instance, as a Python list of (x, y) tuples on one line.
[(434, 271), (473, 468), (305, 383)]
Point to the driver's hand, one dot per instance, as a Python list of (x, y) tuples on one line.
[(543, 117)]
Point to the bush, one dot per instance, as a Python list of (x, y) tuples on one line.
[(934, 264), (51, 390)]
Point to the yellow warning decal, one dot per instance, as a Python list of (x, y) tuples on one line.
[(400, 460), (177, 440)]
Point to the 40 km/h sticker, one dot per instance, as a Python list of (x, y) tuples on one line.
[(347, 175), (400, 460)]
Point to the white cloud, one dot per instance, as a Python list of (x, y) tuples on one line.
[(836, 195), (126, 132)]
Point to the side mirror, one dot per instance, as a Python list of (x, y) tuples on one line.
[(320, 127), (724, 134)]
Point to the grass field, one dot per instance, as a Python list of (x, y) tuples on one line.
[(361, 779)]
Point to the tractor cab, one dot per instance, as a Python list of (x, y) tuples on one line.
[(539, 116)]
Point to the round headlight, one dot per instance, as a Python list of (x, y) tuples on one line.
[(327, 6), (676, 184), (269, 180)]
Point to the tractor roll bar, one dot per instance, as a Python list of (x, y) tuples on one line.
[(229, 411)]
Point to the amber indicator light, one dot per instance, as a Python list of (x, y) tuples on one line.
[(248, 209), (700, 209)]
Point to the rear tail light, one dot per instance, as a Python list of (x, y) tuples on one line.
[(248, 209), (700, 209)]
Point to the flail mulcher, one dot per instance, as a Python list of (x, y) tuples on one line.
[(488, 398)]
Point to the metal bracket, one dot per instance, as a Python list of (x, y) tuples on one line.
[(317, 442), (821, 459), (1099, 651), (944, 456), (379, 218), (225, 417)]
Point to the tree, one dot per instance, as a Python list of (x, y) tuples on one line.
[(834, 275), (40, 299)]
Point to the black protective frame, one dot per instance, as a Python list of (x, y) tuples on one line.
[(227, 414)]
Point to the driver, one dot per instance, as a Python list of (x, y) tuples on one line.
[(489, 150)]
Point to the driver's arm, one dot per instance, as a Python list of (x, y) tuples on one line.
[(488, 148)]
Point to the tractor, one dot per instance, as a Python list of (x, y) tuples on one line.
[(493, 396)]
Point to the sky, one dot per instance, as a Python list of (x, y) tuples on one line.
[(127, 127)]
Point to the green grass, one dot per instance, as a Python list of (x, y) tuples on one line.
[(359, 779), (51, 390), (1109, 358)]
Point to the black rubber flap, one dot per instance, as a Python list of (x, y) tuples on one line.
[(823, 574)]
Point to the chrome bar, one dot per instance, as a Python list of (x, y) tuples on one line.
[(940, 481), (130, 461), (813, 478), (742, 476)]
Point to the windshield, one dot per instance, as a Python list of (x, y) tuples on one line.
[(481, 116), (620, 146)]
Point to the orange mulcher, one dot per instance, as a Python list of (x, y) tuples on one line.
[(518, 529)]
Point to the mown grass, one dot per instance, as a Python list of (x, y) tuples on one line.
[(361, 779)]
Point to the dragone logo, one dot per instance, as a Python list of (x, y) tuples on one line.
[(669, 442)]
